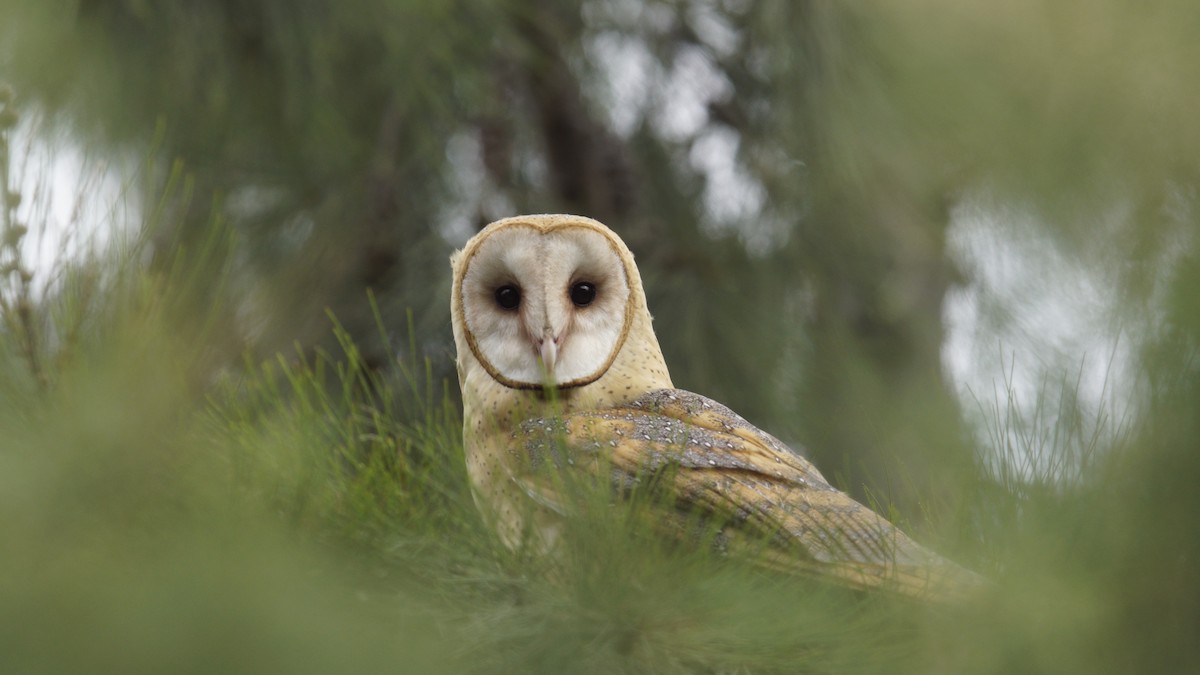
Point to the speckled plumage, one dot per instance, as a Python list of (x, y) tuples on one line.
[(618, 413)]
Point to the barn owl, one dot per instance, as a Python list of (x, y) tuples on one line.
[(559, 366)]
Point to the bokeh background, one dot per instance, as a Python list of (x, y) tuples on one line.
[(948, 248)]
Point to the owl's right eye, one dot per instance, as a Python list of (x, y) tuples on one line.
[(508, 296)]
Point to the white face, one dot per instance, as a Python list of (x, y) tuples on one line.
[(545, 307)]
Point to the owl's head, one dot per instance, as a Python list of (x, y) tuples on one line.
[(544, 300)]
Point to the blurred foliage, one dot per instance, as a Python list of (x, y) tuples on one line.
[(176, 495), (352, 145)]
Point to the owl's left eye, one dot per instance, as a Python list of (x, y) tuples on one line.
[(583, 293)]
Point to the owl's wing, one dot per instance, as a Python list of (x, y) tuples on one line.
[(718, 464)]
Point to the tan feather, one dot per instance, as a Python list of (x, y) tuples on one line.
[(721, 466)]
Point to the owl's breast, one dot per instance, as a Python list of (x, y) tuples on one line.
[(492, 416)]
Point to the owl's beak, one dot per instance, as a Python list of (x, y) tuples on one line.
[(548, 349)]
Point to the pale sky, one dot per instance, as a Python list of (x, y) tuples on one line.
[(73, 204)]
